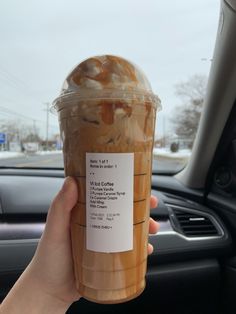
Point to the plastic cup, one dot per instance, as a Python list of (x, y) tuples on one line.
[(107, 115)]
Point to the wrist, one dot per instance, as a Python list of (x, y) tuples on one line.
[(28, 298)]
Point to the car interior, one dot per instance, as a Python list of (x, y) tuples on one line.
[(193, 266)]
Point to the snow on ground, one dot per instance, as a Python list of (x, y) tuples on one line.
[(49, 152), (162, 152), (6, 155), (165, 152)]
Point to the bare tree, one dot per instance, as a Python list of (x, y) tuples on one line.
[(192, 94), (11, 128), (18, 131), (32, 137)]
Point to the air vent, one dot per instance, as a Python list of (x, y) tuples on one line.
[(195, 225)]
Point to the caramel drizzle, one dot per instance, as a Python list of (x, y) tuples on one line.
[(108, 110), (107, 66)]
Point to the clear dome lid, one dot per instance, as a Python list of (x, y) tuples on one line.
[(106, 77)]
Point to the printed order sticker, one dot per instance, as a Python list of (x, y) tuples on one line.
[(109, 201)]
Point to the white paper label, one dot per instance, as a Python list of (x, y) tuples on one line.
[(109, 201)]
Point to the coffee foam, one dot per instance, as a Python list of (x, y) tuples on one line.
[(102, 72)]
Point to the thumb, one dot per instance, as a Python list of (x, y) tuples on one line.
[(58, 219)]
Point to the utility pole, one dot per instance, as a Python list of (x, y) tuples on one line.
[(164, 130), (34, 125), (47, 123)]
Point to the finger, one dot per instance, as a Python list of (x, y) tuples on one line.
[(58, 219), (153, 201), (154, 226), (150, 248)]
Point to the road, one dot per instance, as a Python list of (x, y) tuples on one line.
[(34, 161), (169, 165)]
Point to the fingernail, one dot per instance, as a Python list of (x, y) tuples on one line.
[(65, 184)]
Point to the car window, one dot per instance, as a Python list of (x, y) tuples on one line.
[(41, 41)]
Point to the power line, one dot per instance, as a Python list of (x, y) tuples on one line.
[(14, 82), (7, 99), (47, 122), (15, 113), (12, 77), (17, 83), (8, 111), (23, 91)]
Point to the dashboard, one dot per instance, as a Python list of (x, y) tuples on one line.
[(191, 241)]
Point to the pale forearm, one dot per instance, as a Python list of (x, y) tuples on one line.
[(26, 297)]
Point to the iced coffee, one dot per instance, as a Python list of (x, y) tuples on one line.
[(107, 113)]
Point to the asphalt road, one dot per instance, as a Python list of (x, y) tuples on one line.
[(28, 161), (56, 161), (168, 165)]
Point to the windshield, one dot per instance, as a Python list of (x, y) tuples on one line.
[(43, 40)]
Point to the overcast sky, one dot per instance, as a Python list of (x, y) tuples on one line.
[(41, 41)]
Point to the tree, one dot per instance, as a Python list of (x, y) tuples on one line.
[(11, 128), (17, 131), (32, 137), (192, 94), (174, 147)]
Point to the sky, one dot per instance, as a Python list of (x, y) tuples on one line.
[(41, 41)]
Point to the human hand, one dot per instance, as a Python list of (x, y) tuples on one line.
[(153, 225), (48, 284)]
